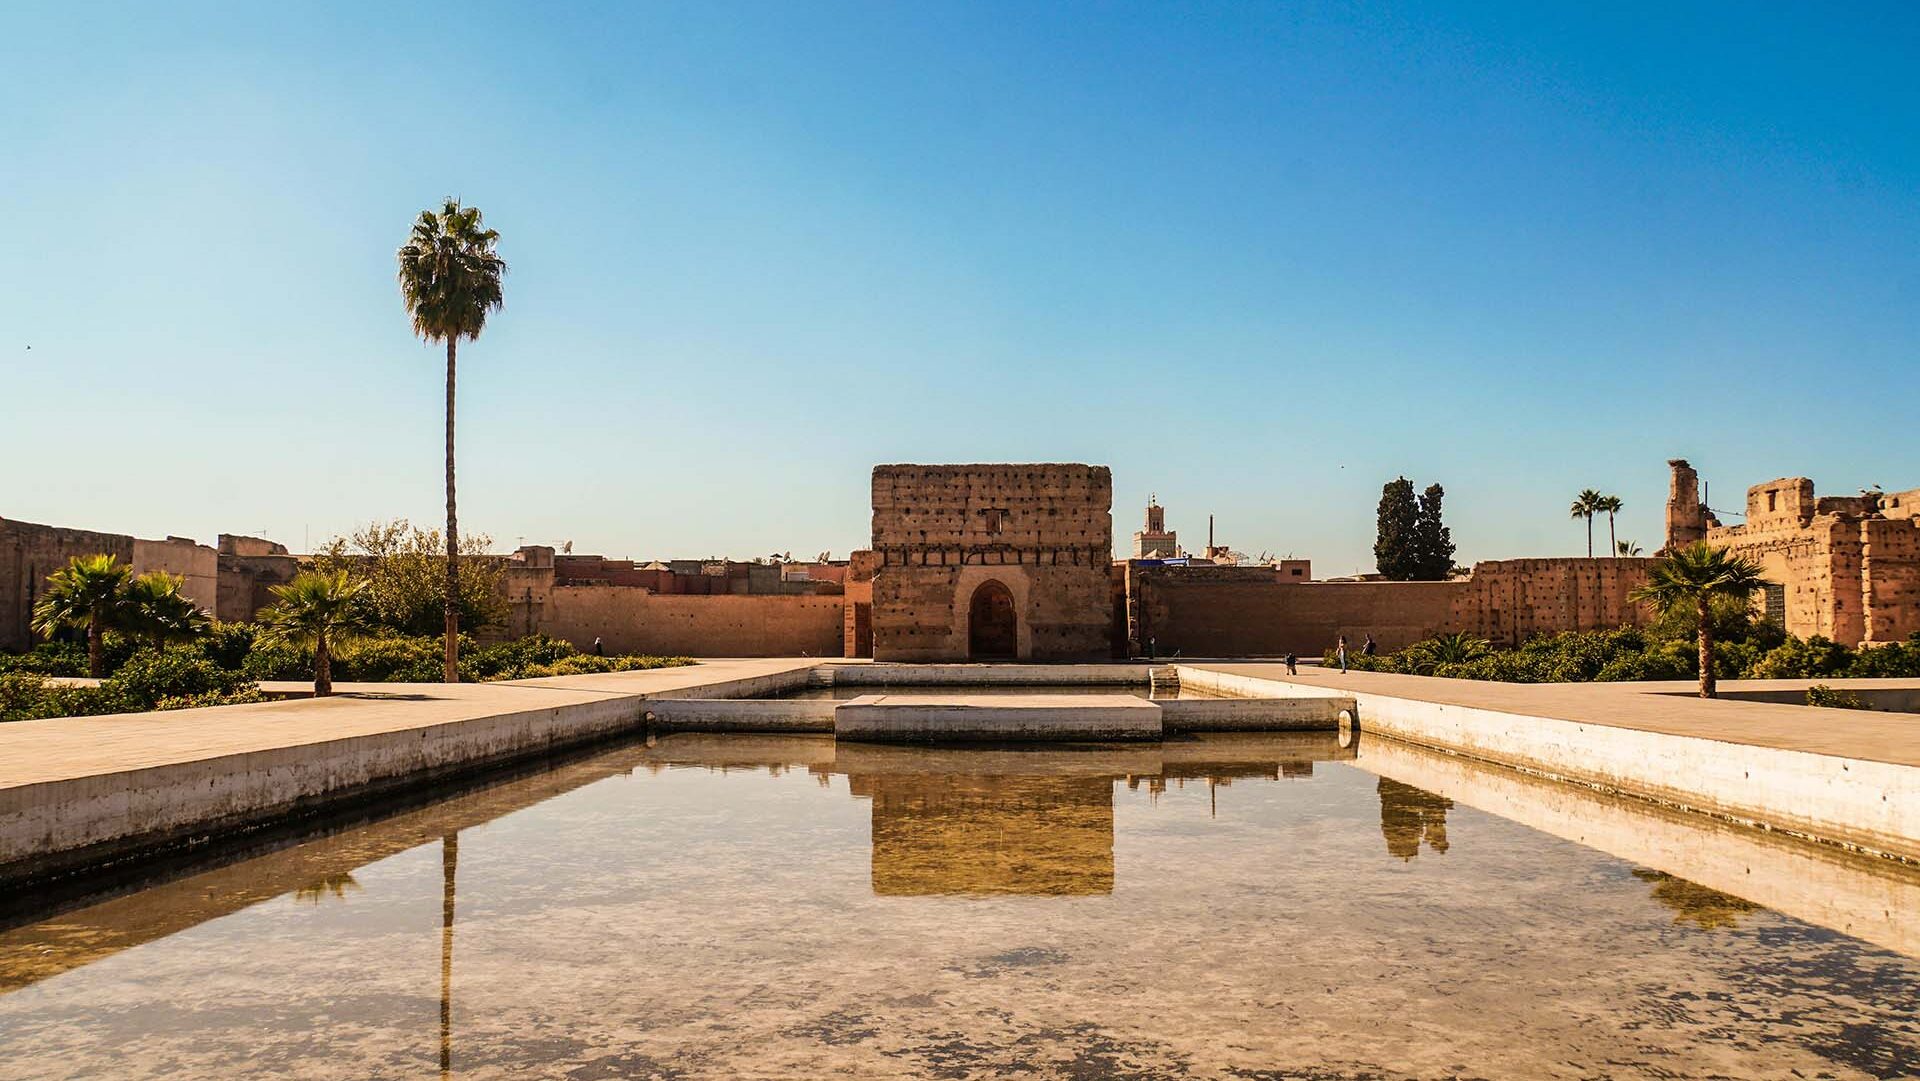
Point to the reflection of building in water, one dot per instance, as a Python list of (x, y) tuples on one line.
[(1219, 774), (1409, 815), (987, 834), (1708, 909)]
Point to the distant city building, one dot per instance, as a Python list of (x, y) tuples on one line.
[(1156, 541)]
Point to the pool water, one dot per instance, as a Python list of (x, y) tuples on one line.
[(1252, 906), (1157, 692)]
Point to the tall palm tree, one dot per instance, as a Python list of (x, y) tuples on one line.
[(1611, 504), (90, 592), (157, 608), (317, 609), (1690, 578), (450, 279), (1586, 505)]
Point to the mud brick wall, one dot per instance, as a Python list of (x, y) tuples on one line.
[(943, 532)]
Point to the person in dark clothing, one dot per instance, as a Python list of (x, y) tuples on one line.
[(598, 649), (1292, 664), (1368, 649)]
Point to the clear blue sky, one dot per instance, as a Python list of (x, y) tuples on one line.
[(1259, 258)]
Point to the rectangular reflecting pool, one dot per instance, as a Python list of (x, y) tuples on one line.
[(1258, 906)]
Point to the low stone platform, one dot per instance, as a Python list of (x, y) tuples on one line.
[(1000, 718)]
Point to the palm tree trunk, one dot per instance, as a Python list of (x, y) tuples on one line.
[(322, 666), (96, 664), (1589, 536), (1613, 542), (1706, 648), (449, 865), (452, 673)]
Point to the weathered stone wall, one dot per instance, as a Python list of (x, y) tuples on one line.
[(857, 621), (1511, 600), (197, 564), (249, 568), (28, 554), (635, 621), (1249, 611), (1890, 576), (1204, 615), (943, 532), (1848, 566)]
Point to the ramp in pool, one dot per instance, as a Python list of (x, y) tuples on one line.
[(1000, 718)]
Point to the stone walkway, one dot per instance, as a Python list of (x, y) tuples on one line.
[(33, 752), (1671, 708)]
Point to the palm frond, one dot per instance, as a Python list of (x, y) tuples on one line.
[(450, 273)]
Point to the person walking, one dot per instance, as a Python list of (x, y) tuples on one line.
[(1340, 651), (598, 649), (1367, 648), (1292, 664)]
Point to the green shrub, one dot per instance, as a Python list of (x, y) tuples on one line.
[(389, 659), (587, 664), (279, 662), (512, 660), (150, 677), (1506, 666), (227, 645), (211, 698), (26, 696), (48, 659), (1798, 659), (21, 695), (1899, 660), (1822, 695)]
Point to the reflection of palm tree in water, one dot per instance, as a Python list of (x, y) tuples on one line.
[(1409, 815), (449, 863), (1709, 909), (337, 884)]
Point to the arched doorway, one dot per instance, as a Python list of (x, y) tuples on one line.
[(993, 630)]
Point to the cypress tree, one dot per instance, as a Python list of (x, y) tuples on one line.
[(1395, 550), (1433, 541)]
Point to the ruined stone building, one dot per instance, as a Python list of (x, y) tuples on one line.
[(1846, 567), (1016, 561), (992, 561), (30, 552)]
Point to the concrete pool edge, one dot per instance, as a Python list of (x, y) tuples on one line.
[(78, 793), (1869, 806), (264, 764)]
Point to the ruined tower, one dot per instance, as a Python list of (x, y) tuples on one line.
[(1686, 516)]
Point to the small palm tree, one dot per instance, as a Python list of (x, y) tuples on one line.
[(1586, 505), (1692, 578), (1611, 504), (157, 608), (317, 609), (89, 593), (1626, 548), (450, 279), (1456, 647)]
